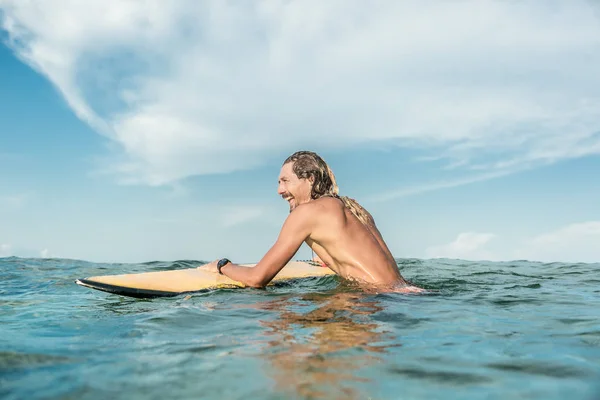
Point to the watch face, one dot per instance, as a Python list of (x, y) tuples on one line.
[(222, 262)]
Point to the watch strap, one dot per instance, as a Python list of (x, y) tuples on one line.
[(222, 262)]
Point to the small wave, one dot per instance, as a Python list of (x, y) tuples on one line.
[(546, 369), (458, 378), (11, 360)]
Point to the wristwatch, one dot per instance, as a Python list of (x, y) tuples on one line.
[(222, 262)]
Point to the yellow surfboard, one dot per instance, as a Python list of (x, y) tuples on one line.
[(176, 282)]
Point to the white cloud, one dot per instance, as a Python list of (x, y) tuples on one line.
[(579, 242), (5, 250), (45, 253), (466, 246), (181, 86)]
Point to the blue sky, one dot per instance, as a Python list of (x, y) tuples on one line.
[(137, 132)]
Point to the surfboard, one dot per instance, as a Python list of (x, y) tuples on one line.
[(182, 281)]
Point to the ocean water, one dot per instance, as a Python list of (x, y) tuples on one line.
[(517, 330)]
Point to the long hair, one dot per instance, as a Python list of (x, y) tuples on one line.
[(307, 164)]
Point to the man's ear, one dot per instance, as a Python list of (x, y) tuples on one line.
[(311, 179)]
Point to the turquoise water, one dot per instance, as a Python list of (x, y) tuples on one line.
[(490, 330)]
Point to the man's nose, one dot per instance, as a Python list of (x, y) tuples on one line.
[(280, 190)]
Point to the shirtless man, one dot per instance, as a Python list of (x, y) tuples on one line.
[(337, 229)]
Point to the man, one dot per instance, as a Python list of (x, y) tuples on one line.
[(337, 229)]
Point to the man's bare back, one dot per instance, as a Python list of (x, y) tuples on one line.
[(349, 248), (338, 229)]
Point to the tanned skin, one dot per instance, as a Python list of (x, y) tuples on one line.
[(351, 249)]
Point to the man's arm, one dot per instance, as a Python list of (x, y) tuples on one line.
[(296, 228)]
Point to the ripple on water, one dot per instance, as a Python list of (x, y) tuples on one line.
[(494, 330)]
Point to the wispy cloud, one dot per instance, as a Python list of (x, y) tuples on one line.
[(234, 216), (430, 187), (578, 242), (13, 201), (486, 85)]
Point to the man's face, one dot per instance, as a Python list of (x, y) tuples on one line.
[(294, 190)]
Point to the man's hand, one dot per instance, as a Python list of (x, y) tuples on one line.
[(210, 267)]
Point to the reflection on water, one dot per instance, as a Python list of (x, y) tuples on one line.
[(319, 344)]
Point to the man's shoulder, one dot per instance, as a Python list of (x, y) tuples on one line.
[(316, 213), (303, 215)]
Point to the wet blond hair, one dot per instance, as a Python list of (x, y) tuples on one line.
[(308, 164)]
